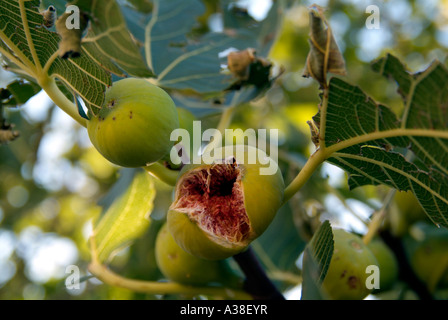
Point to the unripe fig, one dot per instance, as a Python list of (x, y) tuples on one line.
[(178, 265), (346, 275), (409, 206), (133, 127), (408, 211), (429, 260), (387, 264), (220, 208)]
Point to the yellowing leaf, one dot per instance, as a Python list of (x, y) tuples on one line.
[(127, 218)]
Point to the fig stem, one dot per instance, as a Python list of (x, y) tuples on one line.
[(48, 84), (160, 288), (313, 162), (152, 287), (257, 283), (162, 173), (109, 277)]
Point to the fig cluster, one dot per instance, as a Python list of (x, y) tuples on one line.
[(220, 206)]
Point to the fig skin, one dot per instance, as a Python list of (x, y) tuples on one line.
[(346, 275), (179, 266), (407, 212), (262, 197), (134, 125), (429, 260), (387, 263)]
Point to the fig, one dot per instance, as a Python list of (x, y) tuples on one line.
[(429, 260), (387, 263), (408, 211), (346, 275), (133, 127), (182, 267), (221, 207), (409, 206)]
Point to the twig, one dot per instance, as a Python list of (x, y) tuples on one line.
[(378, 217), (104, 274), (257, 283)]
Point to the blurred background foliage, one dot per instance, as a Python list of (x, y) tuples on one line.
[(52, 180)]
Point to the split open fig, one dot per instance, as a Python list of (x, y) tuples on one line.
[(221, 207)]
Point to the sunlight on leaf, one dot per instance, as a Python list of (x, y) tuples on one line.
[(36, 52), (127, 217)]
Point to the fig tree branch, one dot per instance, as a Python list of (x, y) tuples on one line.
[(315, 160), (257, 283)]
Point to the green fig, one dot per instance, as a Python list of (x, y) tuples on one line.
[(387, 264), (406, 212), (346, 275), (219, 208), (133, 127), (178, 265), (429, 260)]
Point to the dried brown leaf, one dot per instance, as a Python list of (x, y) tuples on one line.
[(324, 55)]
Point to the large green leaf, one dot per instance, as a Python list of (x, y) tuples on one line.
[(108, 40), (127, 217), (183, 62), (25, 40), (365, 138)]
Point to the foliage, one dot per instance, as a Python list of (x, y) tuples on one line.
[(385, 142)]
